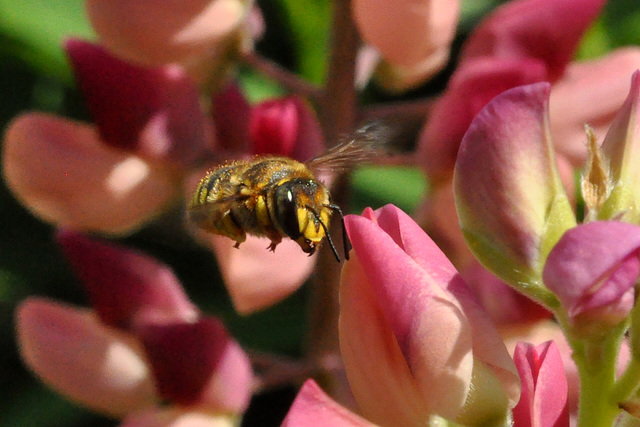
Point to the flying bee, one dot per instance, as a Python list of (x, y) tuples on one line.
[(279, 197)]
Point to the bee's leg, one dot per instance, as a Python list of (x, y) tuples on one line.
[(275, 241)]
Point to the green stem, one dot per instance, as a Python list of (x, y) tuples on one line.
[(596, 359)]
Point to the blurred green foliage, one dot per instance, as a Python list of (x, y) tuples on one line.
[(34, 75)]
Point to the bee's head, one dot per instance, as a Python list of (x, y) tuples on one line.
[(303, 211)]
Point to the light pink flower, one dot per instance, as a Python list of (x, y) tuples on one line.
[(544, 386), (413, 37), (144, 342), (198, 35)]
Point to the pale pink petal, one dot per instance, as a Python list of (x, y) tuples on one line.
[(178, 418), (257, 278), (544, 386), (395, 385), (151, 112), (547, 30), (63, 173), (157, 32), (398, 78), (593, 270), (487, 344), (79, 357), (125, 285), (622, 147), (313, 408), (470, 89), (408, 32), (589, 92), (512, 206), (198, 363)]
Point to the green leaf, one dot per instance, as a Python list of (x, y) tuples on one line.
[(33, 30)]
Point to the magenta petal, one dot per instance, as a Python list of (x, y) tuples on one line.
[(313, 408), (544, 400), (125, 286), (286, 127), (198, 364), (595, 265), (538, 29), (472, 86), (231, 113), (154, 112)]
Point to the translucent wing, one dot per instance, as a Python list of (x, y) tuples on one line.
[(362, 146), (204, 215)]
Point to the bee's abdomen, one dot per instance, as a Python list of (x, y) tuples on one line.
[(217, 184)]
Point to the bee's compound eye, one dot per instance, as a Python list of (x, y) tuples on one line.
[(287, 209)]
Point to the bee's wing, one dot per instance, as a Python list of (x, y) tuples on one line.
[(205, 214), (362, 146)]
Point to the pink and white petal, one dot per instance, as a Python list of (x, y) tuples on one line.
[(198, 364), (156, 32), (125, 285), (470, 89), (76, 355), (255, 277), (407, 33), (589, 92), (178, 418), (538, 29), (313, 408), (151, 112), (518, 174), (63, 173), (391, 385)]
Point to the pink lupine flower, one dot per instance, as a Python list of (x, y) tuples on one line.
[(411, 335), (144, 342), (413, 38), (593, 270), (543, 401)]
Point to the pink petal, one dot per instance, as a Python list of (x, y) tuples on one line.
[(198, 364), (125, 285), (473, 85), (157, 32), (544, 386), (257, 278), (595, 266), (154, 112), (408, 32), (313, 408), (589, 92), (487, 344), (63, 173), (79, 357), (623, 150), (505, 201), (178, 418), (231, 113), (400, 373), (538, 29), (286, 127)]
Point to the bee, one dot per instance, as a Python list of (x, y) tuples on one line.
[(279, 197)]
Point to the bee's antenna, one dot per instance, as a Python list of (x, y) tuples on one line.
[(345, 237), (326, 233)]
